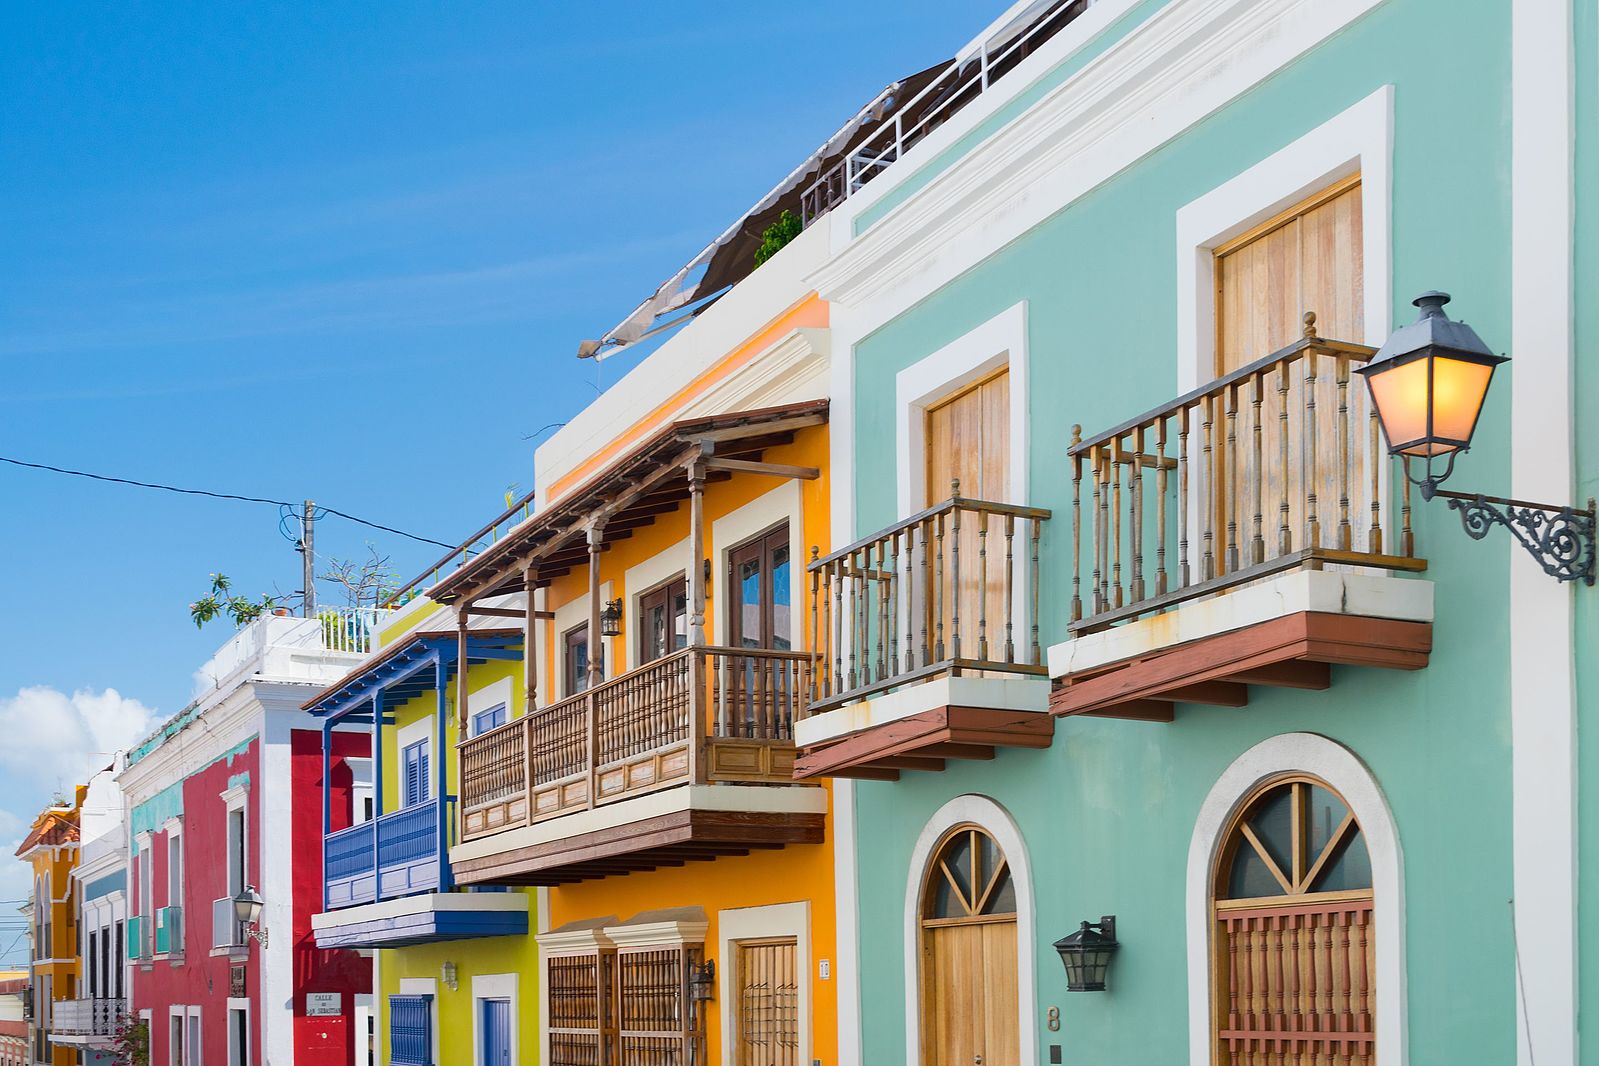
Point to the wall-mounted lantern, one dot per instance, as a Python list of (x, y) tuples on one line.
[(1086, 954), (1428, 383), (449, 975), (247, 909), (702, 982), (611, 619)]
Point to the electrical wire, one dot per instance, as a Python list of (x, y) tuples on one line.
[(219, 496)]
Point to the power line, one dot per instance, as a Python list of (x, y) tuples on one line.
[(216, 496)]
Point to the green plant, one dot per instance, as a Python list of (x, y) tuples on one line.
[(131, 1044), (786, 228), (221, 601)]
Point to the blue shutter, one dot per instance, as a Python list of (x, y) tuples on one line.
[(411, 1030), (416, 773), (422, 773)]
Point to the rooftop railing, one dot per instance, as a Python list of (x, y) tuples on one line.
[(966, 78), (696, 716), (949, 590), (1275, 465)]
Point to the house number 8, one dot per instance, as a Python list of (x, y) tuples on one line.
[(1053, 1017)]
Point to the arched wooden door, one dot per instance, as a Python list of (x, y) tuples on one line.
[(968, 949), (1293, 974)]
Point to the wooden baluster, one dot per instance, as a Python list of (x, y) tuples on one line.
[(938, 587), (1308, 944), (955, 574), (1032, 595), (1077, 526), (1210, 499), (1233, 982), (881, 670), (1349, 1024), (1183, 576), (1098, 588), (928, 594), (816, 636), (1160, 506), (836, 578), (719, 694), (1230, 490), (1136, 591), (1285, 537), (854, 644), (862, 562), (1010, 588), (1312, 524), (1247, 992), (893, 603), (1407, 538), (910, 602), (760, 713), (982, 586), (1346, 534), (1116, 522), (1374, 538), (1257, 546)]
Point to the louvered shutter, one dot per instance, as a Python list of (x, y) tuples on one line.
[(411, 1030)]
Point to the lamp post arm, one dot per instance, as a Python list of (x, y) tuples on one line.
[(1561, 539)]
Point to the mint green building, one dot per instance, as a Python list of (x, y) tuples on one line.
[(1139, 617)]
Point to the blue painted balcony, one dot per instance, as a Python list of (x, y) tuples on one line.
[(386, 878)]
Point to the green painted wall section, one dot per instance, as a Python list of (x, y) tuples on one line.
[(153, 813), (1108, 810)]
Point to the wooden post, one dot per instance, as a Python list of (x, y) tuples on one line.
[(530, 647), (442, 768), (596, 537), (696, 588), (464, 620), (377, 788)]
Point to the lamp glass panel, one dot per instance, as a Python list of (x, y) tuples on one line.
[(1326, 813), (1348, 869), (1458, 390), (1400, 393)]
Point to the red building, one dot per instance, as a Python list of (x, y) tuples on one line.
[(227, 797)]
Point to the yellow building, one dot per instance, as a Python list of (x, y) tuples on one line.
[(51, 849)]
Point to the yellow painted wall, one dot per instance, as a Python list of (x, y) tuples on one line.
[(480, 955), (798, 873), (55, 865)]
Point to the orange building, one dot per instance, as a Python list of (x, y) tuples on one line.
[(51, 848)]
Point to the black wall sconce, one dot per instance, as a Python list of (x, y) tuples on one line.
[(1428, 383), (702, 982), (1086, 954), (611, 619)]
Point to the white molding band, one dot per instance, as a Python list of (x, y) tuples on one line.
[(997, 821), (1543, 719), (1342, 769), (494, 986)]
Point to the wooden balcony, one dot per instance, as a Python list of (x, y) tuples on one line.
[(951, 592), (1275, 468), (705, 716)]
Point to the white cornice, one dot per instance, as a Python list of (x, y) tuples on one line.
[(1181, 64)]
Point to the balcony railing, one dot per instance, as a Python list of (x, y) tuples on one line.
[(86, 1017), (1275, 465), (169, 931), (966, 78), (394, 855), (699, 715), (950, 590), (226, 929)]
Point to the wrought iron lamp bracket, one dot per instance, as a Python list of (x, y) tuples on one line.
[(1561, 539), (257, 934)]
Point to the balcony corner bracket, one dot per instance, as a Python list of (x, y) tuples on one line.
[(1561, 539)]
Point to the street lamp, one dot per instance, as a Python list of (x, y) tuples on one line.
[(247, 909), (1086, 954), (1427, 384)]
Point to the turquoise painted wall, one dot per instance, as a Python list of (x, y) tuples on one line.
[(1108, 810)]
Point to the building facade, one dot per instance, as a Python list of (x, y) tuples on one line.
[(1247, 691), (51, 849), (14, 1018), (223, 799)]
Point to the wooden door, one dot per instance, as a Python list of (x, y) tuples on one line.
[(759, 700), (766, 1026), (575, 652), (663, 621), (968, 955), (968, 442), (1307, 259)]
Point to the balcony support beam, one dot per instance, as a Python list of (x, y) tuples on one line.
[(441, 765), (596, 539), (530, 649), (463, 624)]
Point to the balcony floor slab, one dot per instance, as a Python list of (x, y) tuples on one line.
[(424, 919)]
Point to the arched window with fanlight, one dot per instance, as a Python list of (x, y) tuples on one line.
[(969, 970), (1293, 955)]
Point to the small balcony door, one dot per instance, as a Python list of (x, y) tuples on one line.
[(760, 698), (1306, 259), (663, 621), (968, 440)]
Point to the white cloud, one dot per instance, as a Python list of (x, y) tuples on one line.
[(53, 739)]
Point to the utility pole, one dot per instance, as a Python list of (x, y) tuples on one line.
[(308, 555)]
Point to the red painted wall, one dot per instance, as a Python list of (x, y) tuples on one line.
[(323, 1040)]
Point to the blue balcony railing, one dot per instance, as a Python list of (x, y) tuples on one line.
[(394, 855)]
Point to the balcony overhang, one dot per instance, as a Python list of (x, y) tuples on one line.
[(1287, 631), (426, 919), (666, 828), (410, 668), (921, 725)]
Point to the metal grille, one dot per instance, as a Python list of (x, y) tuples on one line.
[(411, 1030), (768, 1003), (578, 987), (653, 1012)]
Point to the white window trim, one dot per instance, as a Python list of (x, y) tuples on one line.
[(999, 342), (1342, 769), (238, 1004), (645, 577), (490, 695), (493, 986), (414, 986), (233, 798), (756, 923), (194, 1049), (782, 504), (1359, 139), (181, 1013), (568, 617), (997, 821), (174, 831), (235, 801)]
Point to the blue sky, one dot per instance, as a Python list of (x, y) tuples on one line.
[(343, 252)]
